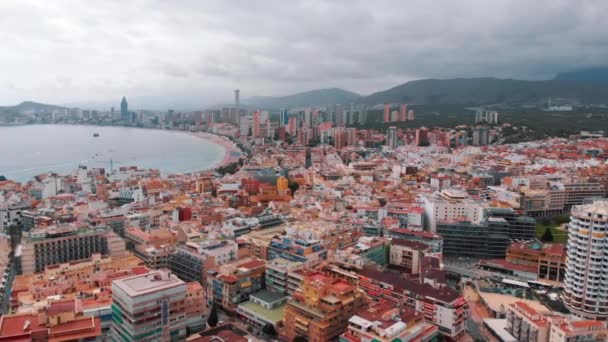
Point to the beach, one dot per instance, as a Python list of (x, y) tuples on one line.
[(232, 152)]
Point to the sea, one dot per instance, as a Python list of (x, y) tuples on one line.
[(27, 151)]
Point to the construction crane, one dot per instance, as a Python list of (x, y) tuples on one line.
[(111, 162)]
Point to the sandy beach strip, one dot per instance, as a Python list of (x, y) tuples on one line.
[(232, 152)]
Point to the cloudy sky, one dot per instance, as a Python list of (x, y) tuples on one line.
[(192, 53)]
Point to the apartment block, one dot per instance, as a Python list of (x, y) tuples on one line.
[(388, 322), (441, 305), (231, 284), (322, 310), (149, 307), (64, 243), (277, 271)]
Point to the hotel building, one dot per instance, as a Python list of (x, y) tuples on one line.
[(59, 244), (586, 281)]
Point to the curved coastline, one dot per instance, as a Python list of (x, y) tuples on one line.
[(230, 148), (231, 152)]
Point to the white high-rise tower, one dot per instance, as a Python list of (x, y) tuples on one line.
[(586, 281)]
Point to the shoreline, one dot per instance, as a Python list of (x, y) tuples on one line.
[(231, 152), (230, 148)]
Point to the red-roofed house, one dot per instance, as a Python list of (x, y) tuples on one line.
[(566, 330), (60, 320)]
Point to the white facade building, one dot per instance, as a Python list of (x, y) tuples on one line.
[(586, 282), (450, 205)]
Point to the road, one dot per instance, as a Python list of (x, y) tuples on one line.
[(477, 313)]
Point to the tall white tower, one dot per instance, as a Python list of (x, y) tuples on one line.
[(237, 104), (586, 281)]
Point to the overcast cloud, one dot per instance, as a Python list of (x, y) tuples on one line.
[(188, 54)]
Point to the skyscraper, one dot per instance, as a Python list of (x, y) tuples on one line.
[(387, 112), (481, 136), (237, 104), (586, 281), (392, 137), (403, 112), (124, 110), (256, 124), (283, 117)]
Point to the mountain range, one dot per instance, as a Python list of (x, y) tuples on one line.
[(30, 106), (588, 86), (309, 98)]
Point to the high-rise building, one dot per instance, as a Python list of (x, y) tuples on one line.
[(403, 112), (586, 281), (391, 136), (283, 117), (481, 136), (410, 115), (292, 126), (124, 109), (256, 131), (387, 112), (149, 307), (486, 116), (237, 104), (422, 136)]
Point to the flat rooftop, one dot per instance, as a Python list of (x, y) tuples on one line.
[(147, 283), (273, 315)]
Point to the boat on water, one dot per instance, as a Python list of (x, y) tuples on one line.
[(96, 135)]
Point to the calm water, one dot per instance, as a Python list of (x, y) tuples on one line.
[(26, 151)]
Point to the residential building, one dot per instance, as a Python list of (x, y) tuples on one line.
[(149, 307), (441, 305), (450, 205), (59, 320), (527, 324), (586, 284), (277, 271), (263, 307), (231, 284), (388, 322), (391, 137), (64, 243), (321, 310), (310, 252), (259, 241), (407, 255), (191, 261), (481, 136), (567, 330)]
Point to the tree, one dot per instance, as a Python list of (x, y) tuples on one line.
[(269, 330), (547, 235), (293, 186), (212, 319), (300, 338), (2, 178), (546, 221)]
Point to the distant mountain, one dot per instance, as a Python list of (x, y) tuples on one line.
[(30, 106), (484, 91), (586, 76), (310, 98)]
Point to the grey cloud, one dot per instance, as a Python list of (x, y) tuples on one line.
[(180, 49)]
